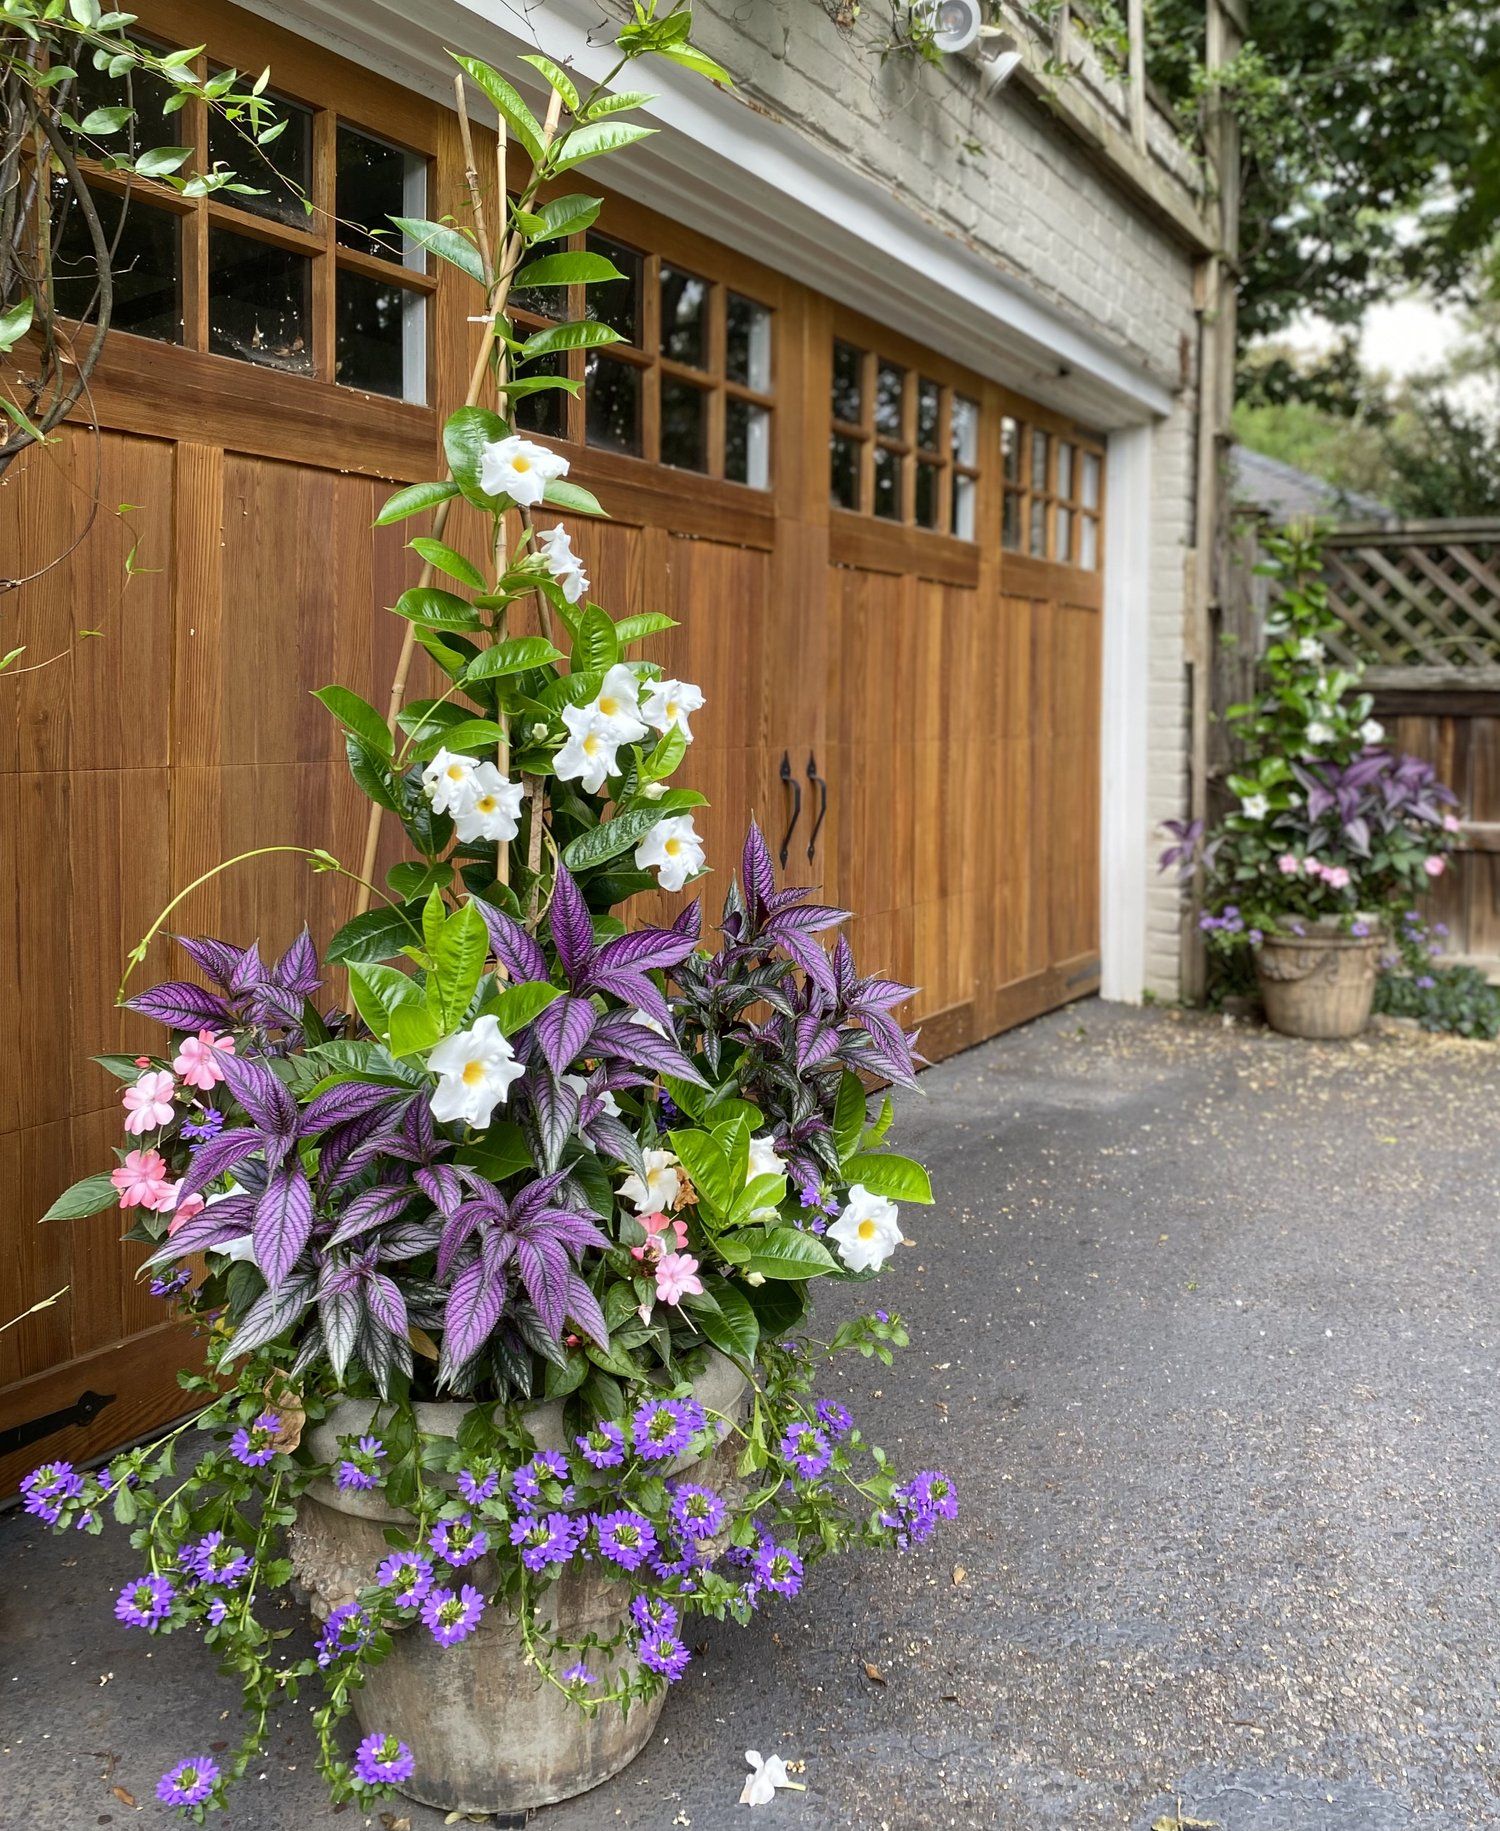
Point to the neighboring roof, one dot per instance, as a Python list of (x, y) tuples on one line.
[(1285, 494)]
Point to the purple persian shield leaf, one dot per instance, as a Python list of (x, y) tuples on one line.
[(807, 918), (815, 1040), (516, 950), (181, 1005), (216, 958), (283, 1223), (879, 994), (338, 1151), (265, 1098), (297, 969), (385, 1303), (529, 1202), (562, 1030), (578, 1232), (689, 921), (808, 955), (755, 868), (273, 1008), (615, 1034), (272, 1314), (345, 1102), (582, 1307), (544, 1270), (474, 1306), (249, 971), (634, 989), (616, 1141), (210, 1228), (216, 1156), (643, 949), (341, 1310), (407, 1240), (458, 1229), (439, 1183), (571, 925), (555, 1107), (371, 1209)]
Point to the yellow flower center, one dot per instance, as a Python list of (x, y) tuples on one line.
[(485, 804), (672, 847), (473, 1073), (671, 708), (455, 772), (591, 746), (520, 464), (608, 707), (867, 1230)]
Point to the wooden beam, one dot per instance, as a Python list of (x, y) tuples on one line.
[(1136, 36)]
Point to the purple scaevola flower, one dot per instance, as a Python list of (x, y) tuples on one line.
[(697, 1513), (654, 1614), (665, 1653), (199, 1130), (190, 1783), (476, 1490), (383, 1761), (551, 1539), (346, 1630), (47, 1487), (358, 1471), (834, 1417), (254, 1444), (777, 1567), (407, 1575), (145, 1602), (215, 1559), (452, 1617), (662, 1429), (625, 1538), (459, 1541), (168, 1284), (806, 1451), (579, 1675), (526, 1483), (603, 1446)]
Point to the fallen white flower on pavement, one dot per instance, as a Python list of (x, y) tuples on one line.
[(768, 1774)]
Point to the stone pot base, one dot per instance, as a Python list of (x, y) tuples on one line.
[(1319, 985)]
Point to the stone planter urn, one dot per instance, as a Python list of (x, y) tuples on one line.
[(1319, 984), (488, 1733)]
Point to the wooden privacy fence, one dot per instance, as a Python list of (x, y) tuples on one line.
[(1419, 607)]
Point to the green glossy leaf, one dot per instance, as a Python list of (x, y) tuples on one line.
[(900, 1179), (358, 715), (446, 243), (161, 160), (609, 839), (508, 104), (848, 1114), (413, 1030), (499, 1153), (584, 334), (469, 734), (707, 1163), (691, 58), (437, 609), (557, 76), (372, 772), (378, 934), (458, 955), (596, 648), (784, 1253), (596, 139), (620, 103), (731, 1325), (513, 656), (14, 325), (413, 499), (572, 499), (438, 553), (565, 216), (378, 990), (517, 1005), (647, 623), (573, 267), (666, 755), (90, 1196), (465, 435), (452, 656)]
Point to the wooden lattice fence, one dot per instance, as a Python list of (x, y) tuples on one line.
[(1424, 594)]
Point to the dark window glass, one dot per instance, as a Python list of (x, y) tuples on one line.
[(747, 443), (927, 495), (378, 337), (1010, 522), (546, 411), (890, 384), (929, 402), (541, 301), (259, 302), (684, 322), (146, 266), (375, 182), (1039, 530), (844, 472), (281, 173), (848, 372), (136, 89), (888, 484), (1010, 450), (747, 343), (684, 424), (612, 404), (616, 303), (1038, 459)]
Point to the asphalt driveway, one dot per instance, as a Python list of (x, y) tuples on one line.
[(1205, 1325)]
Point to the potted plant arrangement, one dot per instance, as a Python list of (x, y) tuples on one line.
[(501, 1273), (1335, 837)]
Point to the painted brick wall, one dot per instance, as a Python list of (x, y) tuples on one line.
[(999, 172)]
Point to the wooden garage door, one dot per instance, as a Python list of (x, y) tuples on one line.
[(888, 653)]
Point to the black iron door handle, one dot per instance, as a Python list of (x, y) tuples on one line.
[(796, 787), (821, 784)]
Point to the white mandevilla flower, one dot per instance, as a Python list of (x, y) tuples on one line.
[(589, 754), (519, 468), (1309, 649), (661, 1188), (563, 563), (475, 1069), (1255, 807), (765, 1776), (673, 850), (1372, 731), (492, 810), (618, 706), (867, 1231), (447, 781), (765, 1159), (1319, 733), (668, 704), (607, 1101)]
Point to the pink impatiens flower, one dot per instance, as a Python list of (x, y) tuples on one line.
[(1336, 877), (142, 1181), (195, 1059), (148, 1103), (1287, 864), (182, 1209), (676, 1277), (1452, 823), (656, 1225), (1434, 866)]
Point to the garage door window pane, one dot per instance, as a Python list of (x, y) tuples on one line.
[(1038, 459), (888, 484), (890, 385), (684, 425), (929, 406), (376, 181), (965, 432), (747, 444), (1010, 450), (1063, 531), (964, 492), (848, 390), (380, 333), (684, 318), (1088, 542), (927, 495), (616, 303), (281, 172), (259, 302), (747, 344), (612, 404), (844, 472), (146, 270), (1010, 522), (1038, 542), (1089, 494)]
